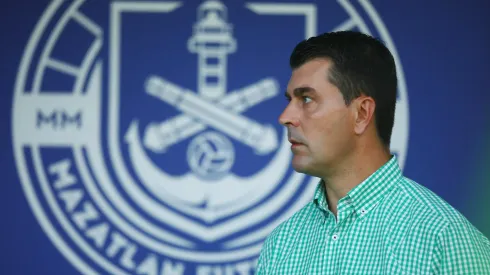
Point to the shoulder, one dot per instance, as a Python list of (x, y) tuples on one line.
[(413, 210), (429, 205), (283, 238), (456, 242), (305, 217)]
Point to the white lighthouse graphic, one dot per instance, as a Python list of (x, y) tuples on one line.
[(212, 115), (212, 40)]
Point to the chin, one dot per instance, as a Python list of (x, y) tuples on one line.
[(300, 164), (305, 165)]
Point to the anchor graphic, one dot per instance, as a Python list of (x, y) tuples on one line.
[(210, 107)]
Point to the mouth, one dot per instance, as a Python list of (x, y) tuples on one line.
[(295, 143), (295, 146)]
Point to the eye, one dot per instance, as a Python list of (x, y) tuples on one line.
[(306, 99)]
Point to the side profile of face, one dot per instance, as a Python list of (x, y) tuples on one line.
[(320, 125)]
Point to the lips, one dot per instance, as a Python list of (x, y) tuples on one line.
[(295, 145), (295, 142), (293, 139)]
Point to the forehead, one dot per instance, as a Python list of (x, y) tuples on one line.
[(312, 74)]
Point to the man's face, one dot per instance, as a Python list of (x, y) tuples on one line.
[(320, 125)]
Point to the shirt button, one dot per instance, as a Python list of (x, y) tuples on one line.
[(363, 211), (335, 237)]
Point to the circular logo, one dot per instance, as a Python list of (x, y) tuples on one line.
[(210, 155), (145, 134)]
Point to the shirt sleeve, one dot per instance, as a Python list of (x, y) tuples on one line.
[(461, 249)]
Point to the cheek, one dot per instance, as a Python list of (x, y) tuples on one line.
[(331, 130)]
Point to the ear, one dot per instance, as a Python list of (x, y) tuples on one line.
[(364, 113)]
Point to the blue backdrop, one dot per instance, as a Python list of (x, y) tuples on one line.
[(141, 137)]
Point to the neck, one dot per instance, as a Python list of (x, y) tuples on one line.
[(353, 170)]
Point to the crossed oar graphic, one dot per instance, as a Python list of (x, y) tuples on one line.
[(223, 115)]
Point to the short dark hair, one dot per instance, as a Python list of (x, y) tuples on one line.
[(361, 64)]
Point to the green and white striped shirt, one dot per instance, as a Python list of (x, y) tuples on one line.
[(388, 224)]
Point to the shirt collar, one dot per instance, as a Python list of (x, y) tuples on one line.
[(366, 195), (320, 198)]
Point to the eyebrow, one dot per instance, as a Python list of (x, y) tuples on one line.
[(300, 91)]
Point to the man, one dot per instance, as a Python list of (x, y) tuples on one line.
[(366, 217)]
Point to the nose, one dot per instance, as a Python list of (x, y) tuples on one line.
[(289, 116)]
